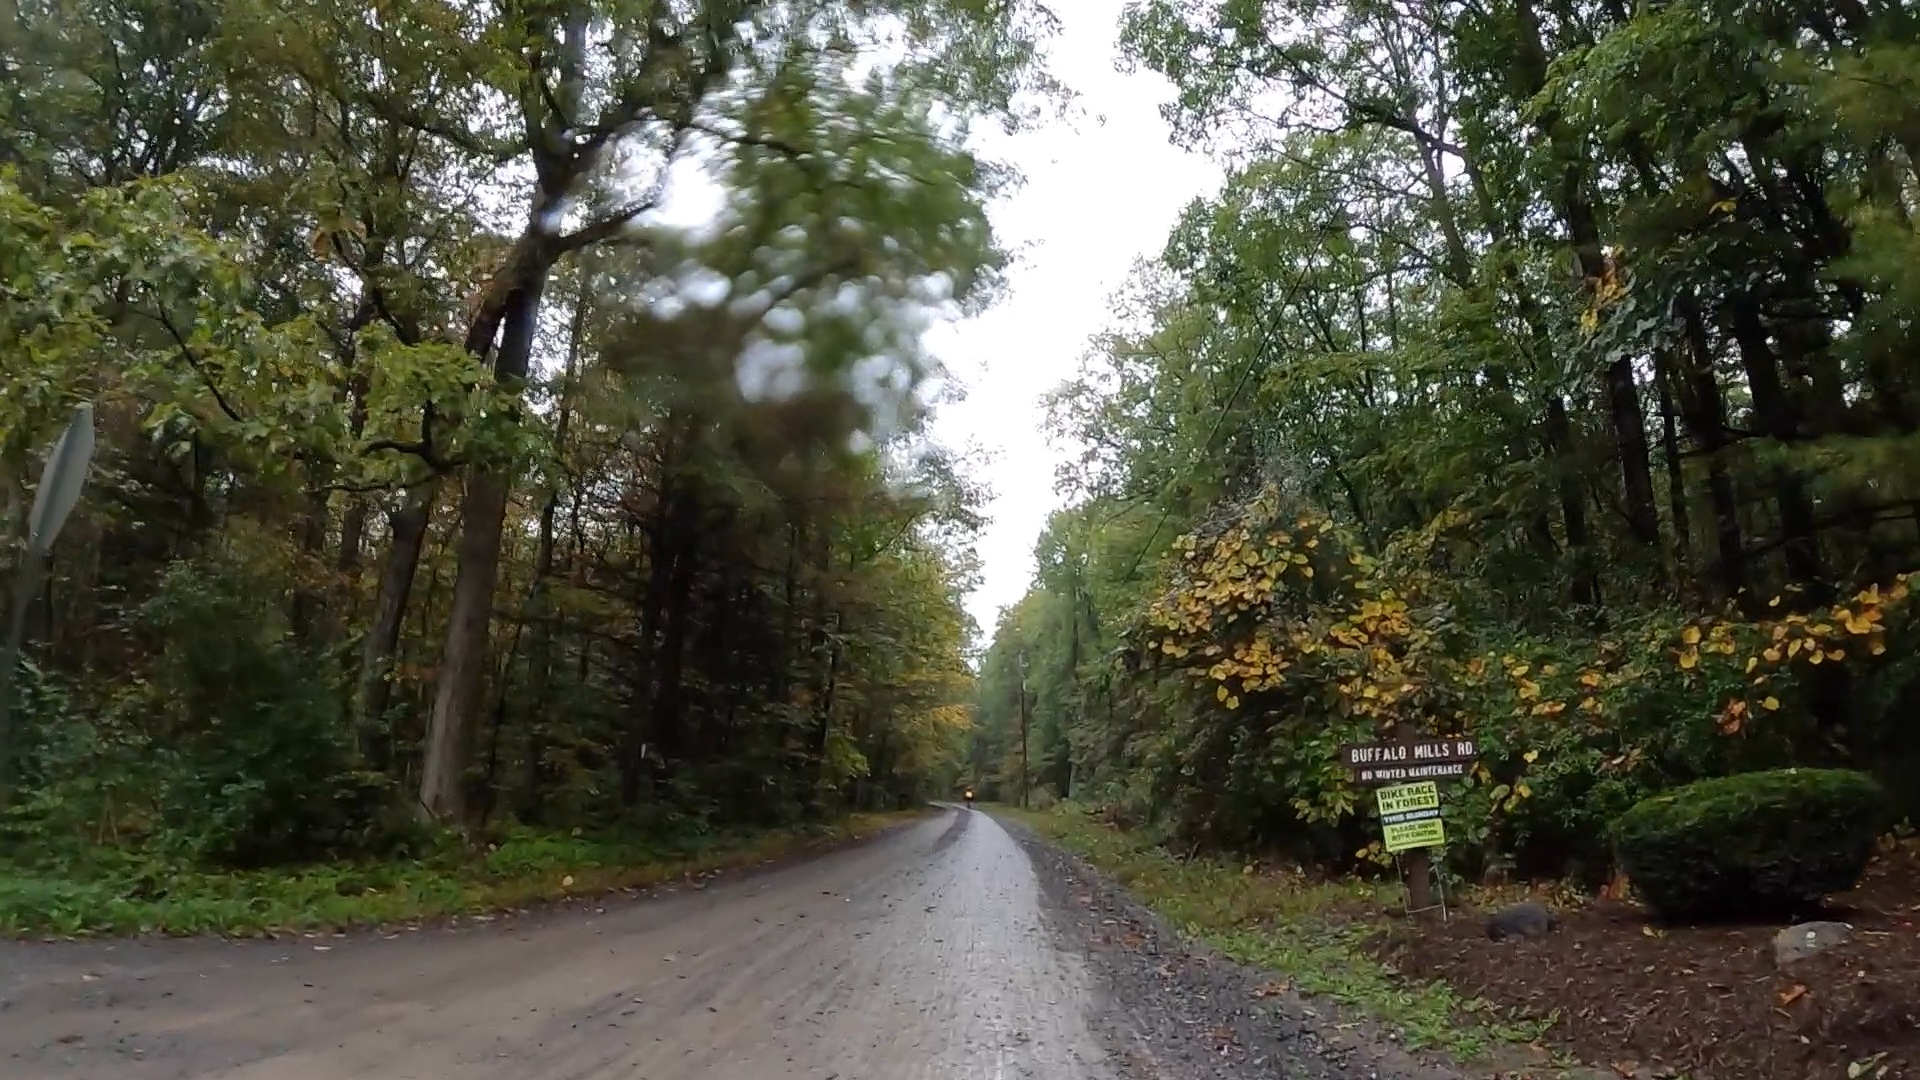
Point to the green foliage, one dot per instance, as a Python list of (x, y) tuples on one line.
[(258, 769), (1775, 842), (523, 868), (716, 583), (227, 750), (1526, 327)]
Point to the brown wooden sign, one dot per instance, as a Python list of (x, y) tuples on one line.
[(1378, 763)]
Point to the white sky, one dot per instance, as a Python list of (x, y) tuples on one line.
[(1100, 192)]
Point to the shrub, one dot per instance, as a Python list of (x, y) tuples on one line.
[(257, 768), (1763, 843)]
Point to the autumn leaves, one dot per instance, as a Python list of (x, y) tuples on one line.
[(1282, 616)]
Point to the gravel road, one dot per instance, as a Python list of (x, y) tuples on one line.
[(948, 949)]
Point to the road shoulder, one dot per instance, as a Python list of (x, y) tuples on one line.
[(1179, 1008)]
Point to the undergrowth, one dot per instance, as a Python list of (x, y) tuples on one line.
[(1311, 932), (104, 892)]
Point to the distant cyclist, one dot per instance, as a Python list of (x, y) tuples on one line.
[(969, 798)]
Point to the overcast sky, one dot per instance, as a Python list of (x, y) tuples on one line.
[(1100, 192)]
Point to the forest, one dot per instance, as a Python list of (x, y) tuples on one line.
[(515, 470), (452, 480), (1536, 373), (1544, 370)]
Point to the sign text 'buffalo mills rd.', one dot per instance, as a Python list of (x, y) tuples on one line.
[(1418, 759)]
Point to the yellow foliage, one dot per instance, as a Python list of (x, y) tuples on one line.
[(1232, 602), (1240, 617)]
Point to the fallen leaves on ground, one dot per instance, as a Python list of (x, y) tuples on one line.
[(1705, 1002)]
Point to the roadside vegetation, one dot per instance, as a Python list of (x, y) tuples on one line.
[(1541, 373), (1312, 931), (457, 524), (1610, 994), (128, 895)]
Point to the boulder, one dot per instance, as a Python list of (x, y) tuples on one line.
[(1523, 920), (1805, 939)]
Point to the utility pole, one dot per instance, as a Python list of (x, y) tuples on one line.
[(1023, 729)]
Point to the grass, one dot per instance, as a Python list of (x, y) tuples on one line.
[(1310, 932), (520, 871)]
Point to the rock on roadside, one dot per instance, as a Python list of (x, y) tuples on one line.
[(1527, 919), (1807, 939)]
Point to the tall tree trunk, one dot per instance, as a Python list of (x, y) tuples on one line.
[(1557, 427), (483, 515), (1778, 418), (1676, 475), (308, 603), (490, 785), (670, 705), (353, 538), (819, 647), (1703, 408), (557, 166), (823, 720), (661, 552), (540, 651), (408, 528), (1573, 508), (540, 662), (1574, 204), (1636, 465)]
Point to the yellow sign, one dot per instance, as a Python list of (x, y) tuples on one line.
[(1405, 797), (1410, 816), (1418, 833)]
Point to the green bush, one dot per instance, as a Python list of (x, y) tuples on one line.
[(255, 765), (1762, 843)]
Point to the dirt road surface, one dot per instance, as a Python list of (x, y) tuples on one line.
[(934, 952)]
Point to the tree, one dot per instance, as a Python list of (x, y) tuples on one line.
[(302, 279), (1567, 320), (773, 97)]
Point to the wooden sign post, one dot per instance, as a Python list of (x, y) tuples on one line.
[(1408, 771)]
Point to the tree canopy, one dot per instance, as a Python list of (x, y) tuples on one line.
[(1541, 371), (447, 470)]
